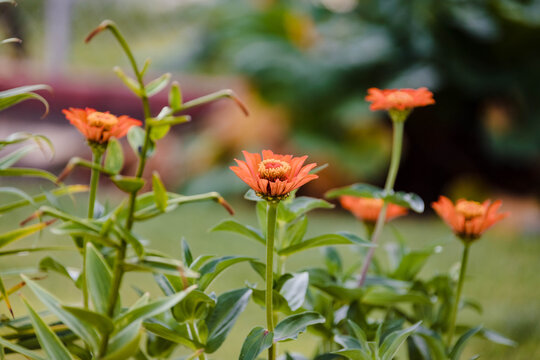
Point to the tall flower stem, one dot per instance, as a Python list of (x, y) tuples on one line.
[(271, 217), (118, 270), (97, 156), (397, 143), (453, 314)]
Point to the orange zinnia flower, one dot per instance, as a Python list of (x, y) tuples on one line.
[(273, 176), (399, 99), (368, 209), (99, 127), (468, 219)]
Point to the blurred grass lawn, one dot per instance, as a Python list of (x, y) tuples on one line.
[(504, 273)]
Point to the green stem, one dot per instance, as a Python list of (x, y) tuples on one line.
[(453, 314), (271, 217), (97, 156), (195, 336), (118, 270), (389, 186)]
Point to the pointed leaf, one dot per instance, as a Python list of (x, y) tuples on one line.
[(160, 193), (48, 340), (175, 96), (12, 158), (151, 309), (294, 290), (131, 83), (393, 342), (28, 173), (80, 328), (213, 268), (156, 85), (290, 327), (98, 278), (21, 350), (102, 323), (458, 348), (14, 235), (223, 317), (114, 161), (340, 238), (258, 340), (245, 230)]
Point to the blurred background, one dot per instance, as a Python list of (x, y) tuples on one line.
[(303, 67)]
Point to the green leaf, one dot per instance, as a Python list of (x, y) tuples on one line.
[(409, 200), (126, 343), (394, 340), (21, 350), (497, 338), (252, 195), (80, 328), (100, 322), (458, 348), (128, 184), (384, 296), (294, 290), (42, 197), (194, 306), (303, 204), (223, 317), (26, 251), (136, 136), (14, 235), (354, 354), (213, 268), (258, 340), (48, 340), (28, 173), (295, 232), (5, 296), (156, 85), (187, 257), (340, 238), (12, 158), (160, 193), (359, 190), (411, 264), (98, 278), (151, 309), (131, 83), (14, 96), (48, 263), (114, 161), (177, 335), (159, 264), (175, 96), (245, 230), (290, 327)]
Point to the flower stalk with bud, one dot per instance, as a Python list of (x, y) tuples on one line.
[(399, 103), (468, 220), (273, 177)]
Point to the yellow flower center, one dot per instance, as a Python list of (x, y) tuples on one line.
[(272, 169), (102, 120), (470, 209), (400, 97)]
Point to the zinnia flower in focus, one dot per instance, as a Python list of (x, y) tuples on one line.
[(273, 176), (468, 219), (368, 209), (98, 127), (399, 102)]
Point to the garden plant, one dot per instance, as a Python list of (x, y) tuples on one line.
[(378, 309)]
